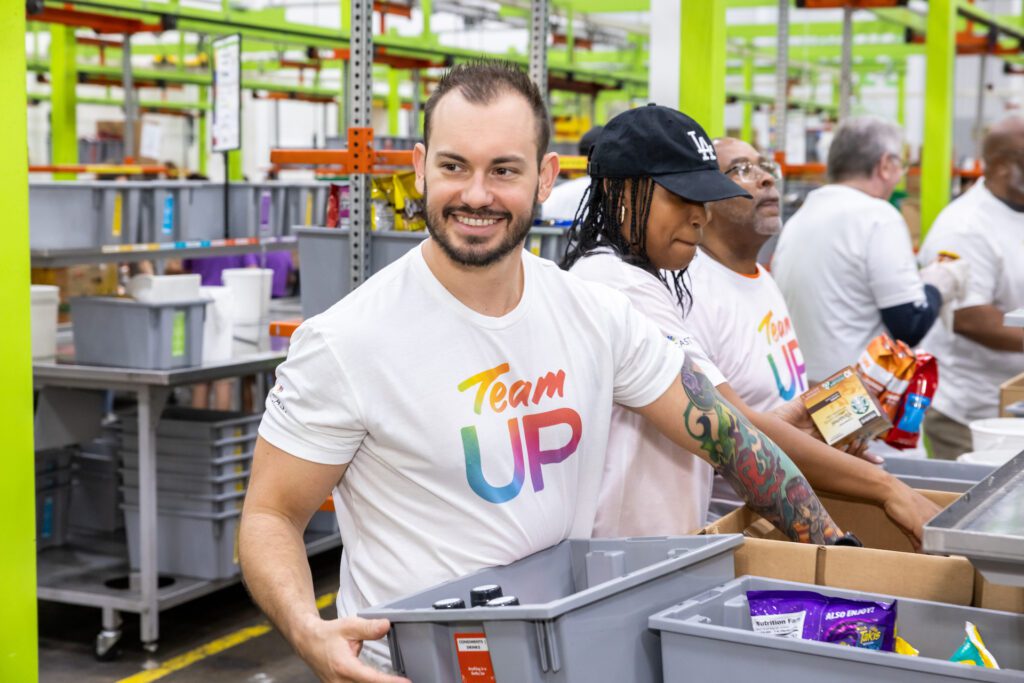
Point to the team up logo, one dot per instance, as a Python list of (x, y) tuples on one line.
[(779, 336), (494, 394)]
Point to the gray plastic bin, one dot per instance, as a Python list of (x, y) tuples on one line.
[(583, 616), (53, 459), (83, 214), (242, 221), (94, 502), (195, 448), (387, 246), (52, 515), (175, 211), (199, 545), (193, 467), (187, 502), (324, 270), (198, 424), (709, 637), (937, 475), (183, 483), (131, 334), (305, 205)]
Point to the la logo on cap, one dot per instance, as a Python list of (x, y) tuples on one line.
[(707, 152)]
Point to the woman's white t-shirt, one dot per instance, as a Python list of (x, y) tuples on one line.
[(651, 486)]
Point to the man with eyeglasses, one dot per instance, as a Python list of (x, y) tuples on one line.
[(845, 263)]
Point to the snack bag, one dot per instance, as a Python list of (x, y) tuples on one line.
[(902, 647), (333, 206), (886, 367), (973, 651), (856, 623), (914, 404), (787, 614), (811, 616), (409, 206)]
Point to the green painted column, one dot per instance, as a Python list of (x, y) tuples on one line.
[(702, 63), (204, 117), (63, 79), (394, 100), (747, 132), (18, 626), (235, 165), (427, 8), (937, 153), (901, 97)]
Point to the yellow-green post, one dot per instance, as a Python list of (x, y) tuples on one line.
[(426, 8), (702, 63), (234, 168), (63, 79), (202, 153), (901, 97), (18, 628), (937, 155), (570, 35), (346, 23), (747, 132), (394, 100)]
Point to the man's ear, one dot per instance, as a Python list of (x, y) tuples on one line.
[(548, 172), (419, 164)]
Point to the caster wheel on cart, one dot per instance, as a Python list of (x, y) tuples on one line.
[(107, 649), (151, 648)]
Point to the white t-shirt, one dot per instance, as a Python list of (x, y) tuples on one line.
[(989, 235), (841, 258), (471, 441), (651, 486), (744, 324), (564, 199)]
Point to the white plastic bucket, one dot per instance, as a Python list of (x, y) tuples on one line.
[(250, 293), (161, 289), (996, 457), (998, 433), (218, 328), (45, 300)]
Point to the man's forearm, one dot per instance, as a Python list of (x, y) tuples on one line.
[(757, 468), (276, 572), (826, 468), (984, 325)]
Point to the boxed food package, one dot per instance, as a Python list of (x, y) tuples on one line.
[(886, 564), (843, 409)]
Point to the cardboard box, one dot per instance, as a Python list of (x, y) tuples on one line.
[(1010, 391), (843, 409), (887, 563)]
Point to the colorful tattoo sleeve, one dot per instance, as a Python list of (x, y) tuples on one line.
[(754, 466)]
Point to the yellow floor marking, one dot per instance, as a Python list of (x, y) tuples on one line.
[(214, 647)]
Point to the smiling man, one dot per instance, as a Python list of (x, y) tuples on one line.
[(458, 403)]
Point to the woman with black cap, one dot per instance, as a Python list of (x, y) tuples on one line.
[(655, 178)]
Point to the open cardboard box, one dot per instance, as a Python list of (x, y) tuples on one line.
[(886, 564)]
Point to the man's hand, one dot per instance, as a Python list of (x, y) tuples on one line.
[(910, 511), (795, 413), (331, 648)]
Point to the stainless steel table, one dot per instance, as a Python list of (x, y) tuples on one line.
[(81, 574), (986, 525), (1014, 318)]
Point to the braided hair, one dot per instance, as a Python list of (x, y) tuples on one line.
[(598, 225)]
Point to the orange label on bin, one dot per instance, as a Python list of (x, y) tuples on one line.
[(474, 658)]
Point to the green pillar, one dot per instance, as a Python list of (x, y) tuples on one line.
[(570, 35), (235, 165), (702, 63), (18, 627), (901, 97), (426, 8), (747, 132), (203, 154), (394, 100), (346, 22), (937, 155), (63, 79)]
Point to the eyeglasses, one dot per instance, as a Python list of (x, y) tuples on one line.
[(748, 171)]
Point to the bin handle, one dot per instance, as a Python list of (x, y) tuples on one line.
[(396, 653)]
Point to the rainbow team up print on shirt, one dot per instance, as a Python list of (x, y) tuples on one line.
[(494, 391), (779, 338)]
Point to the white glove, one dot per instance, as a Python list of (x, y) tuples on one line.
[(950, 278)]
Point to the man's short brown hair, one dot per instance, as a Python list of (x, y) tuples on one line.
[(481, 82)]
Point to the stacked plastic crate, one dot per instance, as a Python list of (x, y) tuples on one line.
[(203, 463), (53, 496), (95, 499)]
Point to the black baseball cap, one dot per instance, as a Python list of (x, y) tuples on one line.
[(666, 145)]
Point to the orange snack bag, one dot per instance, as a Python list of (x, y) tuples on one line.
[(886, 367)]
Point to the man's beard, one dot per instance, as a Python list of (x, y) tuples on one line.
[(518, 228)]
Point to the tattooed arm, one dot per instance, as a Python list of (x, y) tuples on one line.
[(696, 416)]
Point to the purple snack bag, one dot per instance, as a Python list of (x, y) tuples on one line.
[(856, 623), (787, 614)]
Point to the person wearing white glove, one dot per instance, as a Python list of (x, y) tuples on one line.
[(976, 352), (949, 276)]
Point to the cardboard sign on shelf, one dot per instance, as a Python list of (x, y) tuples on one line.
[(226, 133)]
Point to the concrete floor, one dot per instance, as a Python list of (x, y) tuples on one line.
[(66, 635)]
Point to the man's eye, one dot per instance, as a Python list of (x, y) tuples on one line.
[(505, 172), (450, 167)]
